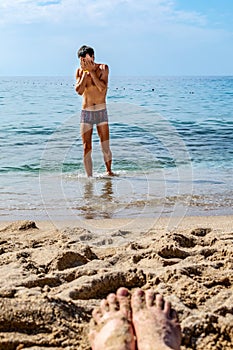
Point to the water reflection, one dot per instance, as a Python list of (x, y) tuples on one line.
[(97, 197), (88, 190), (107, 190)]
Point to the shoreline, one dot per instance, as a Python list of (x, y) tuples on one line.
[(223, 222)]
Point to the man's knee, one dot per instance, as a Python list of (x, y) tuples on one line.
[(87, 147)]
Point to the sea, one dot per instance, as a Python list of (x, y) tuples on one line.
[(171, 140)]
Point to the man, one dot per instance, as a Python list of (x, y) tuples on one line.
[(92, 83)]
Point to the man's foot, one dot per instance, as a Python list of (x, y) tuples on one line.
[(110, 173), (156, 324), (111, 327)]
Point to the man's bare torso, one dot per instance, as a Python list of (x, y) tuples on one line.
[(93, 98)]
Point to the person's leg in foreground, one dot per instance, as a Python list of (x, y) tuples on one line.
[(111, 327), (155, 324)]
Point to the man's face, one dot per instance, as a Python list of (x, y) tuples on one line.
[(87, 58)]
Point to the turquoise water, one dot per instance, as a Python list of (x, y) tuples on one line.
[(171, 139)]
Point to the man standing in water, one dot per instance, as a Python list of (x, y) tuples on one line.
[(92, 83)]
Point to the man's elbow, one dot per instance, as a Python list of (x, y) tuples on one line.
[(78, 90)]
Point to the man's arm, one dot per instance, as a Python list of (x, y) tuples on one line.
[(81, 78), (102, 81)]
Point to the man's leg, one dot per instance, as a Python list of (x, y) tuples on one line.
[(86, 132), (103, 132)]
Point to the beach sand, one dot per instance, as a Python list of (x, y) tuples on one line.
[(54, 274)]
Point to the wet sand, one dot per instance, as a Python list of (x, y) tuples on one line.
[(53, 274)]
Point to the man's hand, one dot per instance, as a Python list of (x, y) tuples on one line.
[(87, 65)]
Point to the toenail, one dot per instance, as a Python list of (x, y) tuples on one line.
[(140, 292), (123, 292), (150, 293), (104, 304), (111, 298)]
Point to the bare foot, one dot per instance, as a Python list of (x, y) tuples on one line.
[(110, 173), (111, 327), (156, 324)]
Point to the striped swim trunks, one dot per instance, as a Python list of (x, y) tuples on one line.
[(94, 117)]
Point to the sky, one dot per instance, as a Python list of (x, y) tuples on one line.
[(134, 37)]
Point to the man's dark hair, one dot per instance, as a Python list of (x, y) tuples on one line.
[(85, 50)]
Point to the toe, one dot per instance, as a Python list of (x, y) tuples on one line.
[(174, 315), (138, 300), (167, 308), (112, 302), (150, 297), (104, 306), (97, 315), (159, 301), (124, 301), (122, 292)]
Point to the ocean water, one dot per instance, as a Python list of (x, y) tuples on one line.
[(171, 139)]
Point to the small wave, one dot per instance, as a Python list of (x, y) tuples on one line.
[(31, 131), (23, 168)]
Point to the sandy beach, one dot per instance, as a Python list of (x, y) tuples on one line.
[(54, 274)]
